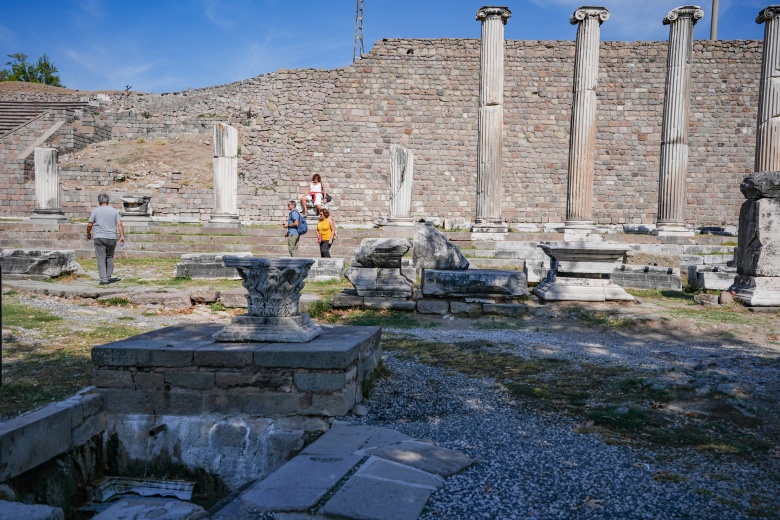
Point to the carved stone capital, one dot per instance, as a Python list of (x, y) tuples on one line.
[(694, 12), (588, 11), (486, 12), (767, 13)]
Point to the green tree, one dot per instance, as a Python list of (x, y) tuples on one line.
[(43, 71)]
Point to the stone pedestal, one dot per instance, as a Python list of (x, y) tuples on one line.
[(47, 186), (381, 282), (401, 177), (225, 213), (673, 172), (582, 140), (490, 121), (274, 291), (136, 210), (581, 271), (758, 251)]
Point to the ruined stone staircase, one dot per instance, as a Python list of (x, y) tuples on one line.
[(14, 114)]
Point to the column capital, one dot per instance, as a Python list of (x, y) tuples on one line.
[(694, 12), (488, 11), (767, 13), (589, 11)]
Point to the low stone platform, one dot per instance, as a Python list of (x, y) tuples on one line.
[(181, 370), (352, 472)]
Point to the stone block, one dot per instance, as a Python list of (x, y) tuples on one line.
[(755, 291), (323, 381), (647, 277), (148, 381), (377, 499), (432, 249), (17, 511), (465, 309), (225, 355), (112, 378), (758, 253), (204, 295), (427, 457), (255, 377), (382, 252), (234, 298), (379, 281), (474, 282), (34, 438), (433, 306), (711, 278), (512, 310), (191, 380), (39, 262), (152, 507), (91, 426), (345, 300), (379, 302), (170, 300)]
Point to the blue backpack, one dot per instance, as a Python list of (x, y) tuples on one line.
[(303, 227)]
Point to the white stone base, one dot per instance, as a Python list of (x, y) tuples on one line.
[(223, 221), (484, 235), (400, 222), (282, 329), (581, 235), (49, 216), (556, 288), (757, 291), (665, 230), (490, 227)]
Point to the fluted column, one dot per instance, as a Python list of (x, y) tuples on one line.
[(47, 185), (768, 132), (582, 140), (674, 130), (225, 176), (401, 176), (490, 125)]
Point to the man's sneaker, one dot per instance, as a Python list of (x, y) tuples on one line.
[(114, 280), (103, 283)]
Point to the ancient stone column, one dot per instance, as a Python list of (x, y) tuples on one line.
[(47, 185), (401, 175), (673, 172), (490, 120), (225, 212), (768, 132), (582, 140)]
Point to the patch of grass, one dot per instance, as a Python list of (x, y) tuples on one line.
[(319, 309), (26, 317), (724, 316), (10, 293), (383, 318), (217, 307), (63, 278), (604, 319), (116, 301), (326, 288), (621, 418)]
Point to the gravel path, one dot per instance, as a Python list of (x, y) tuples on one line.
[(536, 466)]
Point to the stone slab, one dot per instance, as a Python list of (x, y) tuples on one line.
[(285, 490), (152, 508), (287, 329), (19, 511), (465, 309), (234, 298), (556, 288), (433, 306), (379, 302), (474, 282), (388, 470), (39, 262), (757, 291), (377, 499), (344, 300), (345, 439), (427, 457), (512, 310), (711, 278)]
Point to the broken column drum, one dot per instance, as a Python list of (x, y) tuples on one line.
[(582, 141), (674, 130), (401, 176), (47, 185), (136, 206), (274, 291), (225, 175), (767, 142), (491, 120)]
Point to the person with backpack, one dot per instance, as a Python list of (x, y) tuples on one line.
[(296, 226)]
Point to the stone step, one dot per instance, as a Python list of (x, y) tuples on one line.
[(351, 471)]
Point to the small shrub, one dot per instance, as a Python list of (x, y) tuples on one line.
[(140, 140), (318, 309), (217, 307), (116, 301)]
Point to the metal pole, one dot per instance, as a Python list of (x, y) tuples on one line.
[(714, 22)]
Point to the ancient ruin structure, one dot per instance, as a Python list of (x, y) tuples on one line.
[(401, 178), (274, 291), (673, 173), (582, 141), (768, 129), (490, 120), (225, 211), (47, 186)]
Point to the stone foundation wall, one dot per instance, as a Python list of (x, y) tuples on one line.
[(422, 94)]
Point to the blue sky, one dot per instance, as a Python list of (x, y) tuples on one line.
[(173, 45)]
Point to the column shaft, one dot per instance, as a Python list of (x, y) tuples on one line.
[(225, 175), (768, 131), (401, 177), (490, 123), (47, 185), (582, 139), (673, 170)]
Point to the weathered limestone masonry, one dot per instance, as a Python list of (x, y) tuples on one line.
[(490, 120), (225, 212), (582, 141), (674, 131), (420, 94)]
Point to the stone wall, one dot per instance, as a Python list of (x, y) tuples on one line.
[(422, 94)]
